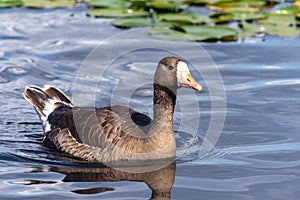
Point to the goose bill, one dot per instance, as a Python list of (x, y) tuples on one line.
[(186, 80)]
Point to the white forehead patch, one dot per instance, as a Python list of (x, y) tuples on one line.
[(181, 70), (182, 67)]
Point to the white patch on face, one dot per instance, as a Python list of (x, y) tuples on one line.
[(181, 70), (182, 66)]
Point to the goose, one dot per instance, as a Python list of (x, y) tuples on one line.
[(114, 133)]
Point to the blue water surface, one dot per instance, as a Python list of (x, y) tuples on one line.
[(255, 157)]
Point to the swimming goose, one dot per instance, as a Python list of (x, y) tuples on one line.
[(114, 133)]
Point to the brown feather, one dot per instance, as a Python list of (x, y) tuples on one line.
[(37, 98), (54, 93)]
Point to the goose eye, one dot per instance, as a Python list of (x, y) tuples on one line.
[(170, 67)]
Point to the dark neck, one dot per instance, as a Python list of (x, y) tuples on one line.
[(163, 103)]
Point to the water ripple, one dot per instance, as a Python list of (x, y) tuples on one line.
[(257, 152)]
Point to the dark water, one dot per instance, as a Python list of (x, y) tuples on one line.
[(255, 157)]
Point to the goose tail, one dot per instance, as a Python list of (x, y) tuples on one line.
[(46, 100)]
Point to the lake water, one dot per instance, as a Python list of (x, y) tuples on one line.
[(256, 155)]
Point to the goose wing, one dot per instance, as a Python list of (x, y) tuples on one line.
[(100, 126)]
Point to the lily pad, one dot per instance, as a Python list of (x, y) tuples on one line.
[(168, 34), (159, 4), (49, 3), (184, 18), (236, 16), (288, 10), (281, 30), (10, 3), (131, 22), (165, 5), (138, 3), (271, 29), (107, 3), (279, 19), (159, 23), (196, 33), (201, 2), (241, 5), (116, 12), (202, 33)]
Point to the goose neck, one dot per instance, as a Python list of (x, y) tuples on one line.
[(163, 104)]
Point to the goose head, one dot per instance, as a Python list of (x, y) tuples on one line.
[(173, 73)]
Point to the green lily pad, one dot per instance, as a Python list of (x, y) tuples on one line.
[(288, 10), (168, 34), (159, 4), (107, 3), (49, 3), (116, 12), (168, 5), (196, 33), (202, 33), (10, 3), (201, 2), (138, 3), (271, 29), (281, 30), (241, 5), (252, 30), (184, 18), (159, 23), (278, 19), (131, 22), (236, 16)]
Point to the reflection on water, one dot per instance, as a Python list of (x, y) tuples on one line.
[(159, 181), (256, 157)]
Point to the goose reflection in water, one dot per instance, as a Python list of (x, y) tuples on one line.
[(160, 181)]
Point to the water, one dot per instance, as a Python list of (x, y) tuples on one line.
[(255, 157)]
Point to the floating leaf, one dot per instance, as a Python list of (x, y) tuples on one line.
[(138, 3), (250, 30), (10, 3), (116, 12), (162, 5), (281, 30), (131, 22), (288, 10), (107, 3), (201, 2), (236, 15), (271, 29), (159, 4), (184, 18), (241, 5), (196, 33), (168, 34), (278, 19), (158, 23), (201, 33), (49, 3)]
